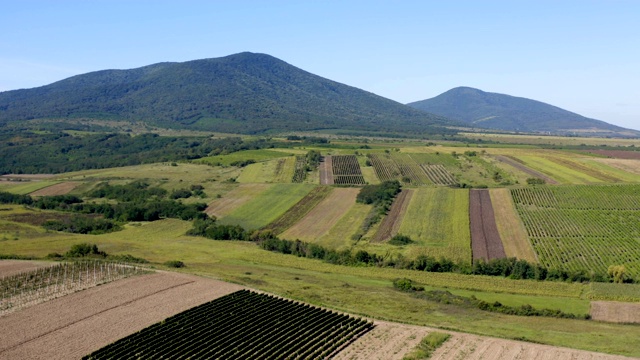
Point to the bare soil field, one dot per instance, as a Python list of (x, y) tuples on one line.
[(12, 267), (485, 238), (392, 341), (387, 341), (617, 154), (326, 171), (628, 165), (391, 223), (509, 161), (77, 324), (324, 216), (613, 311), (465, 346), (234, 199), (512, 232), (57, 189)]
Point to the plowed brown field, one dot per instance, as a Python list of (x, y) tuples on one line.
[(12, 267), (391, 223), (485, 238), (77, 324), (57, 189)]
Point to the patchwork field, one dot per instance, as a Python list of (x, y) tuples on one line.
[(234, 199)]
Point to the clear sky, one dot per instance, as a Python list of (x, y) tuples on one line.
[(583, 56)]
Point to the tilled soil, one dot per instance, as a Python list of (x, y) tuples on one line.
[(58, 189), (485, 237), (12, 267), (77, 324), (391, 223)]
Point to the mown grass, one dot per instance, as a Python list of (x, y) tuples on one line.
[(437, 219), (267, 206), (603, 167), (561, 173), (339, 236), (512, 231)]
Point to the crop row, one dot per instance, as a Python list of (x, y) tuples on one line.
[(244, 325), (438, 174), (49, 282), (346, 170), (584, 228)]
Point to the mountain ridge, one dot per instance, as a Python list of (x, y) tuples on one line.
[(240, 93), (512, 113)]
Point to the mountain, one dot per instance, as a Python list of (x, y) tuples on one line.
[(505, 112), (241, 93)]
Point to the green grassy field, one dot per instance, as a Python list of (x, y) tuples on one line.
[(267, 206), (437, 219), (255, 155), (561, 173)]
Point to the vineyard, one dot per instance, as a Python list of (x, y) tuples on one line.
[(244, 325), (415, 169), (300, 169), (34, 287), (584, 228), (346, 170)]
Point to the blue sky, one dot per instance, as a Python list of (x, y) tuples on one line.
[(583, 56)]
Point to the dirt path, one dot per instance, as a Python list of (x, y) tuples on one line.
[(74, 325), (57, 189), (509, 161), (12, 267), (485, 238), (391, 223), (326, 171), (613, 311)]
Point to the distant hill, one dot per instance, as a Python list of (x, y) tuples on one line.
[(241, 93), (505, 112)]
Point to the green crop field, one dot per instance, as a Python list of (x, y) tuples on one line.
[(255, 155), (583, 227), (438, 220), (267, 206), (562, 173), (278, 170)]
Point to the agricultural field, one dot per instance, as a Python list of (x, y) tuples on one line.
[(278, 170), (391, 223), (244, 324), (437, 219), (321, 219), (584, 228), (234, 199), (266, 206), (346, 170), (485, 239), (300, 209), (246, 155), (25, 187), (512, 231)]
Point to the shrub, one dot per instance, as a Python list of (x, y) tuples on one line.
[(175, 264)]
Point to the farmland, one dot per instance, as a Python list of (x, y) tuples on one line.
[(485, 238), (346, 170), (267, 206), (561, 226), (437, 219), (242, 324), (583, 227)]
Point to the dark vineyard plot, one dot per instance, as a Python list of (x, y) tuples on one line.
[(242, 325), (346, 170)]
